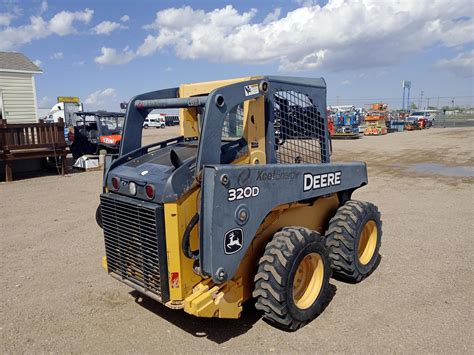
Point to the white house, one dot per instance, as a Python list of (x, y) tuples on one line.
[(17, 88)]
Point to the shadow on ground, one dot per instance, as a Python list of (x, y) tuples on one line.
[(214, 329), (48, 168)]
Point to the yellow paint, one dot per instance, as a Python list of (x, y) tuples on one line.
[(204, 88), (104, 263), (177, 216), (210, 300), (308, 280), (189, 124), (69, 99), (367, 242), (254, 129)]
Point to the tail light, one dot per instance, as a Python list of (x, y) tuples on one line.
[(115, 183), (150, 191)]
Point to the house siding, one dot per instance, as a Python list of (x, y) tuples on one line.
[(18, 92)]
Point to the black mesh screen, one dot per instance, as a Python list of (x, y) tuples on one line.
[(299, 129)]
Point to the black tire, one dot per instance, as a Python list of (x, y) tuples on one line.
[(276, 274), (145, 126), (343, 236), (98, 217)]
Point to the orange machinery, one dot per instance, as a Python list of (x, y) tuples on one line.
[(376, 120)]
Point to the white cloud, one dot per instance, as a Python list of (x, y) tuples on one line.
[(125, 18), (462, 64), (98, 99), (107, 27), (168, 69), (272, 16), (110, 56), (57, 56), (43, 7), (342, 34), (61, 24), (37, 62), (345, 82), (5, 18)]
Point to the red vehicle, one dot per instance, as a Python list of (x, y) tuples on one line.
[(96, 131)]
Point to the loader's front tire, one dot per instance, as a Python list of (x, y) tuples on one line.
[(353, 239), (292, 282)]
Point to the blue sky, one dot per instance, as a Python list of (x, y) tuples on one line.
[(107, 51)]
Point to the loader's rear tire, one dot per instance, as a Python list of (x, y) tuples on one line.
[(353, 239), (292, 282)]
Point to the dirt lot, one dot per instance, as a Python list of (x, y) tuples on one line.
[(55, 297)]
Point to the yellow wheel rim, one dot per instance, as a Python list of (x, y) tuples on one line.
[(308, 280), (367, 242)]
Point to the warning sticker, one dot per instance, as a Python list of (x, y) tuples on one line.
[(251, 89), (175, 280)]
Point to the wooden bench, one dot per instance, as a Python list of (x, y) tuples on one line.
[(20, 141)]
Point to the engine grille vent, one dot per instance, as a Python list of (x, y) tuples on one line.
[(134, 233)]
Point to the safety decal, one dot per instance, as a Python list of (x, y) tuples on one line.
[(174, 280), (233, 241), (251, 89)]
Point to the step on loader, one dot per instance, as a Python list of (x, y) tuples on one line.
[(244, 204)]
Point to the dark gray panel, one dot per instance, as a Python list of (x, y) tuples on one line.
[(277, 184)]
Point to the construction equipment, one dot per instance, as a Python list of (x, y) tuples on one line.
[(95, 131), (245, 203), (346, 120), (376, 120)]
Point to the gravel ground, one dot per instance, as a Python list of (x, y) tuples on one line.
[(55, 297)]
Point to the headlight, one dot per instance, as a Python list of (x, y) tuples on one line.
[(132, 188), (109, 140)]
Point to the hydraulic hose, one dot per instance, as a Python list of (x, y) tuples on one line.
[(187, 233)]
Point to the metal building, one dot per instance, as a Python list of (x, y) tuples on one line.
[(17, 88)]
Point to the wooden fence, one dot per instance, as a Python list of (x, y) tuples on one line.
[(31, 140)]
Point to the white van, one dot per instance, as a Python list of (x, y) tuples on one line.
[(152, 120), (430, 115)]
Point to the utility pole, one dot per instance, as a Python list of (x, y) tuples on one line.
[(421, 100), (437, 103), (452, 101), (427, 103)]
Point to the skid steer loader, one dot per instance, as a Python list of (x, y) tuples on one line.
[(244, 204)]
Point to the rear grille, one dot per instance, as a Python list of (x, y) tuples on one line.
[(135, 243)]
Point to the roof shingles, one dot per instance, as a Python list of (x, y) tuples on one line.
[(17, 61)]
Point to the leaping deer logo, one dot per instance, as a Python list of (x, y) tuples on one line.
[(233, 241)]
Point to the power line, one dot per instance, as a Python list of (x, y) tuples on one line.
[(397, 98)]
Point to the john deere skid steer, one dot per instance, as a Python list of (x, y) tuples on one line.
[(245, 203)]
